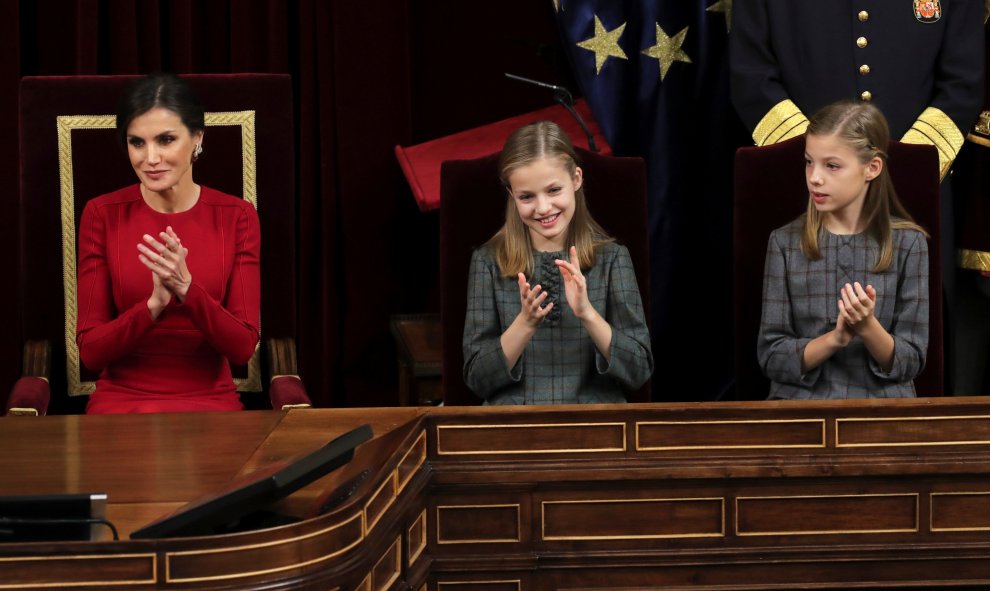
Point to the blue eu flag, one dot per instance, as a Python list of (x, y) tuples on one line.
[(655, 74)]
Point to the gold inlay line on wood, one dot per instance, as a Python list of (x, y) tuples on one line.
[(515, 506), (851, 420), (393, 555), (170, 555), (488, 451), (719, 534), (371, 522), (820, 443), (413, 551), (88, 583), (516, 582), (914, 529), (419, 446), (931, 515)]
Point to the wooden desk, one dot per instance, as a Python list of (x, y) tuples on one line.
[(852, 494)]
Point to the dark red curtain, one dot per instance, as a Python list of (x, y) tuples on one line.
[(366, 76)]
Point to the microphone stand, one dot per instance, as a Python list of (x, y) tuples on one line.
[(563, 97)]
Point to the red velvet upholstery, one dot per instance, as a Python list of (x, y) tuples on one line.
[(288, 391), (29, 393), (472, 208), (770, 191), (100, 165)]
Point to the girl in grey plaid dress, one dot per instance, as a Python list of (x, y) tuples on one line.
[(554, 313), (845, 288)]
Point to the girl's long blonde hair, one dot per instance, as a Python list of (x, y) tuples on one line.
[(863, 128), (512, 246)]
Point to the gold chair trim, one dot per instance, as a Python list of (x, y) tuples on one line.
[(65, 125), (976, 260)]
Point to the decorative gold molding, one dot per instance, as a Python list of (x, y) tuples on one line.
[(840, 421), (545, 537), (931, 513), (87, 557), (442, 428), (65, 125), (515, 506), (917, 517), (169, 556), (730, 422)]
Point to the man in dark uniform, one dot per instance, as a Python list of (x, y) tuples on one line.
[(920, 61)]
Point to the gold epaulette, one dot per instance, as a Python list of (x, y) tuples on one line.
[(784, 121), (934, 127)]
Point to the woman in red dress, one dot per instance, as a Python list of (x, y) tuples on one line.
[(168, 269)]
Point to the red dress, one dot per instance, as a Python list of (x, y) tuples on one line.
[(178, 362)]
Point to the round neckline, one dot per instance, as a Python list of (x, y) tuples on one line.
[(144, 201)]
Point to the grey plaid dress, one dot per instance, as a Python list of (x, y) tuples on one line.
[(800, 302), (560, 364)]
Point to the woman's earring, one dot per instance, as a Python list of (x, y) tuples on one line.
[(197, 151)]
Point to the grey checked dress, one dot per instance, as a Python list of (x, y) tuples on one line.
[(560, 364), (800, 302)]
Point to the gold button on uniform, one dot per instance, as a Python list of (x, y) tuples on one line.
[(864, 69), (866, 96), (863, 16), (861, 42)]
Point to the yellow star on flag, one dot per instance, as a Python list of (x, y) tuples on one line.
[(724, 6), (668, 50), (605, 44), (556, 5)]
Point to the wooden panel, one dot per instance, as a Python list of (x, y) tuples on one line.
[(236, 562), (922, 431), (674, 435), (793, 515), (388, 568), (513, 585), (380, 501), (960, 511), (531, 439), (477, 524), (115, 571), (414, 458), (416, 538), (618, 519)]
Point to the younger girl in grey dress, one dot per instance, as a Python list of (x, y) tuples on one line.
[(553, 312), (845, 289)]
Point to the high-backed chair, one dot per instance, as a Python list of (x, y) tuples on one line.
[(770, 190), (472, 208), (69, 154)]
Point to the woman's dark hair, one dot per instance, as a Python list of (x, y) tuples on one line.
[(167, 91)]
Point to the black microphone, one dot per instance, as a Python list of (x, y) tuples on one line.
[(564, 98)]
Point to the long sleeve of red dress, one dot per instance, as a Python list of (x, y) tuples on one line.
[(180, 360)]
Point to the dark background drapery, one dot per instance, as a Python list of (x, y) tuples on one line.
[(366, 76)]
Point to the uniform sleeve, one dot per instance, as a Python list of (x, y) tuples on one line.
[(757, 89), (958, 88), (779, 348), (102, 334), (485, 370), (631, 356), (232, 327), (910, 325)]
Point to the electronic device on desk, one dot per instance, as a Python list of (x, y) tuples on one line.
[(239, 506), (58, 517)]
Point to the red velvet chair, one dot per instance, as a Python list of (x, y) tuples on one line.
[(472, 208), (770, 191), (69, 154)]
